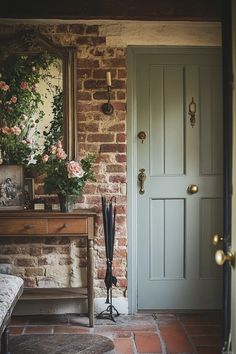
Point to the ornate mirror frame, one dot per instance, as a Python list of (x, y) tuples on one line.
[(32, 42)]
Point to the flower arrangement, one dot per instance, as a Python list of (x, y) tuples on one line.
[(20, 103), (62, 176)]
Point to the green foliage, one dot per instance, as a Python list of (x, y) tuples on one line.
[(55, 132), (20, 104), (64, 176)]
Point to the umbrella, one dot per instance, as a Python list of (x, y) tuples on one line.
[(109, 216), (109, 219)]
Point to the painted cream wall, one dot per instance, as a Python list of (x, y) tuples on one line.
[(233, 295)]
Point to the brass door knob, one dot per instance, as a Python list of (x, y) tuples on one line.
[(192, 189), (221, 257), (216, 239)]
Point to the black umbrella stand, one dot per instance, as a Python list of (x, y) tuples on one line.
[(109, 219)]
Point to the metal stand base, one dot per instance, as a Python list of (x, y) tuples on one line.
[(108, 313)]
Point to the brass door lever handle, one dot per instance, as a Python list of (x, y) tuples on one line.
[(141, 177)]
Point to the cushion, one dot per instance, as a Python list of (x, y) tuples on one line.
[(11, 288)]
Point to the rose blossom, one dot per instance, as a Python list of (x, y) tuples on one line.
[(15, 130), (24, 85), (61, 154), (59, 144), (13, 99), (74, 169), (45, 158), (6, 130), (4, 87)]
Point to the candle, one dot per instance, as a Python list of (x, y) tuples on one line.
[(108, 78)]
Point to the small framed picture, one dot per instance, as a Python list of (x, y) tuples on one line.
[(11, 187), (28, 192)]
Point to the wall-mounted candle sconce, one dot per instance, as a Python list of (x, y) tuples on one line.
[(107, 107), (192, 112)]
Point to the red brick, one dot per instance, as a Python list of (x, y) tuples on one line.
[(109, 189), (102, 95), (113, 148), (88, 127), (84, 73), (147, 343), (120, 127), (85, 96), (119, 106), (122, 74), (89, 40), (94, 84), (114, 62), (93, 29), (122, 241), (117, 179), (88, 107), (115, 168), (118, 84), (25, 262), (100, 137), (77, 28), (124, 345), (33, 272), (121, 138), (122, 283), (88, 63), (121, 158), (101, 73), (121, 95)]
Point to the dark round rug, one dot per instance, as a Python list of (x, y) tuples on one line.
[(60, 344)]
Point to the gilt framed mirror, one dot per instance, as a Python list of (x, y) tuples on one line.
[(38, 91)]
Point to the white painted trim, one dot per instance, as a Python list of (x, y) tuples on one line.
[(132, 182)]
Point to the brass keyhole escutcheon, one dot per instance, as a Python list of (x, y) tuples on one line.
[(141, 177), (142, 136)]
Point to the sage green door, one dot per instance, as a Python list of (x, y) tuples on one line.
[(176, 267)]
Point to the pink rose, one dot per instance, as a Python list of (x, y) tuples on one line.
[(74, 169), (24, 85), (13, 99), (2, 83), (45, 158), (6, 130), (28, 141), (5, 87), (15, 130), (61, 154)]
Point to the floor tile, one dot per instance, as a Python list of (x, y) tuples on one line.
[(124, 346), (147, 342)]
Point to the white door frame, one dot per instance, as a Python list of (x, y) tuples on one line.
[(132, 166)]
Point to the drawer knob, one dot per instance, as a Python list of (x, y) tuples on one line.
[(65, 225)]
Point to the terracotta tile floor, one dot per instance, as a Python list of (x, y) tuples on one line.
[(166, 333)]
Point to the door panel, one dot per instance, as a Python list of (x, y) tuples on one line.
[(176, 268)]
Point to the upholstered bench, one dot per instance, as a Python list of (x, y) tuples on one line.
[(11, 288)]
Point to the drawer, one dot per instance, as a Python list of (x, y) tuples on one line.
[(23, 226), (67, 226)]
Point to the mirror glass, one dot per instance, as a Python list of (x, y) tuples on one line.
[(37, 98)]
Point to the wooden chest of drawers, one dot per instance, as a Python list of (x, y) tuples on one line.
[(79, 223)]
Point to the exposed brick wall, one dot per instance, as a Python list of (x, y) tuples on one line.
[(60, 261)]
